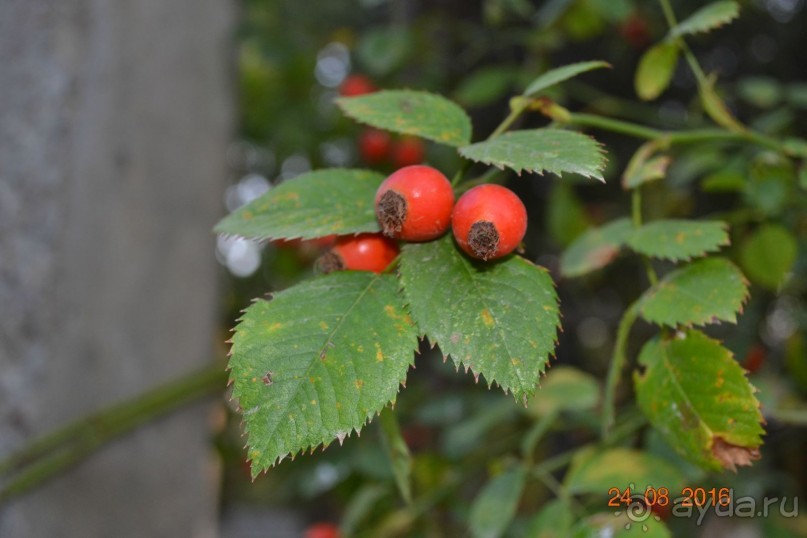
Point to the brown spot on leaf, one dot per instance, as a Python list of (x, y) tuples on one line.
[(267, 379), (730, 456)]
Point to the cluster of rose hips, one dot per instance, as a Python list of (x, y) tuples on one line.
[(377, 146), (416, 203)]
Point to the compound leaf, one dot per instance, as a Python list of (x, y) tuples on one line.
[(411, 112), (679, 239), (595, 249), (705, 291), (540, 150), (318, 361), (315, 204), (497, 319), (697, 396)]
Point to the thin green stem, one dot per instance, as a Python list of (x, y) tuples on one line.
[(515, 111), (636, 215), (691, 136), (616, 126), (636, 208), (668, 13), (54, 452), (460, 173), (672, 22), (562, 493), (615, 370)]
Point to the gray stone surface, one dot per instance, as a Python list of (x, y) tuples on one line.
[(114, 118)]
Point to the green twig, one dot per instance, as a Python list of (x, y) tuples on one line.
[(54, 452), (615, 370), (636, 216), (690, 136)]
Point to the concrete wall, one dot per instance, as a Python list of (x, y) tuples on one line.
[(114, 119)]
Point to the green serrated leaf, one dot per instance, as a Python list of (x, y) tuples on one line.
[(497, 319), (678, 240), (706, 18), (645, 166), (705, 291), (495, 506), (559, 74), (595, 249), (561, 381), (411, 112), (397, 452), (768, 255), (697, 396), (655, 70), (597, 471), (541, 150), (318, 361), (315, 204)]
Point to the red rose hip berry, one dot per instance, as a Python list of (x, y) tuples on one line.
[(414, 204), (364, 252), (355, 85), (408, 151), (489, 221), (374, 146)]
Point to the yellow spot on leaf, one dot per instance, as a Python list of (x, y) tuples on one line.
[(323, 325), (487, 319), (379, 355), (359, 383)]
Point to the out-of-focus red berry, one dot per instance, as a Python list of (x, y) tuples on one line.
[(357, 84), (635, 31), (407, 151), (755, 358), (322, 530), (374, 146)]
